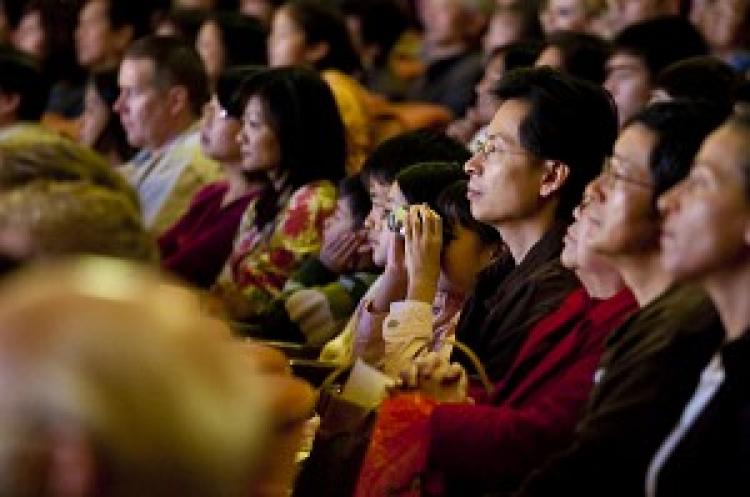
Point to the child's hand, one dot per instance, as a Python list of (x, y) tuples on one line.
[(340, 253), (424, 241)]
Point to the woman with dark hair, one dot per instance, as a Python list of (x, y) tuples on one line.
[(198, 244), (44, 30), (309, 34), (292, 134), (228, 39), (99, 127)]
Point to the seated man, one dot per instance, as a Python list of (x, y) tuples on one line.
[(547, 141), (163, 87), (639, 53), (707, 452), (650, 364)]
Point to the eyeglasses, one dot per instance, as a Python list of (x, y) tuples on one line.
[(488, 146), (610, 172)]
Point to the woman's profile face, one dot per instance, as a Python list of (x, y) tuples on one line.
[(30, 37), (209, 46), (286, 43), (96, 114), (259, 144)]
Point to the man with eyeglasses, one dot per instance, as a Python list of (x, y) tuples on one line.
[(652, 363), (547, 140)]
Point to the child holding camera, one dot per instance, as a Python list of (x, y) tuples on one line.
[(433, 252)]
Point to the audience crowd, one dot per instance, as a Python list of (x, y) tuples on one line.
[(549, 199)]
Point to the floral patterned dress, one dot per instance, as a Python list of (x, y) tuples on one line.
[(264, 257)]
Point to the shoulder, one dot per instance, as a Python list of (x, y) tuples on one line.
[(318, 193)]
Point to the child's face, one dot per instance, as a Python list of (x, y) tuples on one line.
[(341, 222), (376, 219)]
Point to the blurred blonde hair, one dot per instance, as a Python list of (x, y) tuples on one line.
[(108, 352), (50, 219), (26, 158)]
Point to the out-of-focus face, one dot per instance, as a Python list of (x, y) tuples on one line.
[(94, 37), (259, 144), (96, 114), (260, 9), (629, 82), (219, 134), (706, 229), (143, 108), (487, 102), (286, 43), (442, 21), (568, 15), (627, 12), (722, 20), (210, 48), (505, 180), (30, 37), (625, 222), (375, 221), (504, 27)]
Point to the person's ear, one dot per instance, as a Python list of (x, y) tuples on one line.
[(178, 100), (553, 177), (72, 467), (315, 53), (9, 104)]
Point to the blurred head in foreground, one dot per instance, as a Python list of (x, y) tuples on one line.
[(112, 383)]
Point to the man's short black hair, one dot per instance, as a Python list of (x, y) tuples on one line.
[(133, 13), (569, 120), (21, 75), (583, 55), (701, 78), (661, 42), (176, 63), (406, 149), (680, 126)]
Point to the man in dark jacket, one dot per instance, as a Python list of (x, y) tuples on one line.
[(545, 143)]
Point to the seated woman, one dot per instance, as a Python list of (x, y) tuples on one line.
[(99, 127), (321, 295), (198, 244), (309, 34), (492, 442), (293, 134), (227, 39)]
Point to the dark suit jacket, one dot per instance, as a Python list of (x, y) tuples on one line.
[(509, 300)]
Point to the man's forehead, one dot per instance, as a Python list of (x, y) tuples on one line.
[(508, 118), (136, 71)]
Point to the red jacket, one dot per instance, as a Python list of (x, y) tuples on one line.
[(199, 243), (534, 409)]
